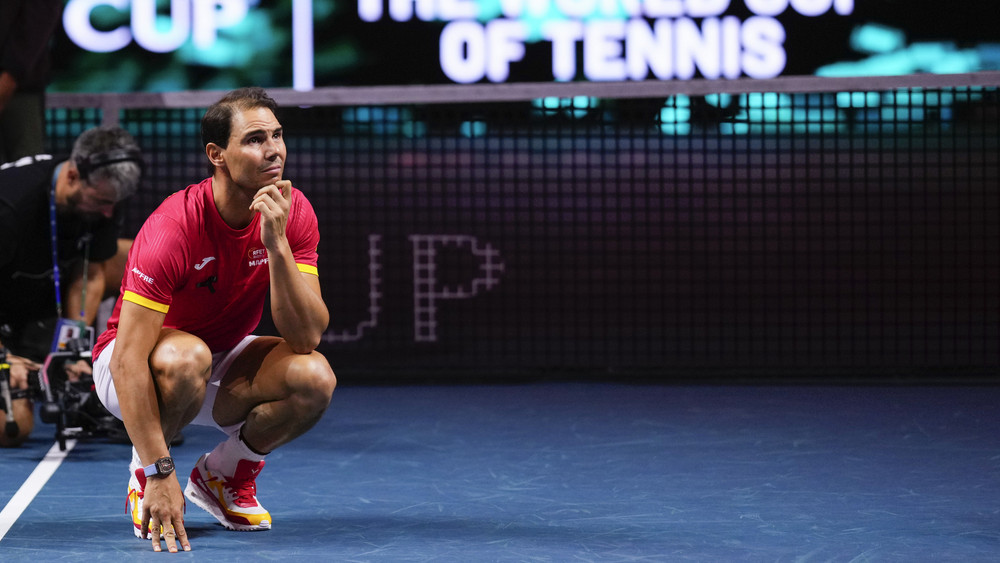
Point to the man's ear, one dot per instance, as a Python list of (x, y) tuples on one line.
[(70, 183), (72, 172), (214, 153)]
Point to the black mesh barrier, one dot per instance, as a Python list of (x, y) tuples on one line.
[(814, 234)]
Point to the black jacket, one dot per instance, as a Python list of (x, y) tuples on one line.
[(27, 290)]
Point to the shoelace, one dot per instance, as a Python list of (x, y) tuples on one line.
[(128, 501), (244, 492)]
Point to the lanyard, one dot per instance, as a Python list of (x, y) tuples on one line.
[(55, 241), (53, 231)]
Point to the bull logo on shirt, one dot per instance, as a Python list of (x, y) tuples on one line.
[(208, 283)]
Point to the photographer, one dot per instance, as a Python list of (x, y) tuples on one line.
[(58, 225)]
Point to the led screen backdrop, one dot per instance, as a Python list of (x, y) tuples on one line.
[(164, 45), (782, 234)]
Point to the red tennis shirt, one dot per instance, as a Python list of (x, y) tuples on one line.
[(211, 280)]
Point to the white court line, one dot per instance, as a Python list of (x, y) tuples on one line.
[(23, 497)]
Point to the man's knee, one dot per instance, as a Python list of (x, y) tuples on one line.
[(181, 360), (312, 380), (24, 419)]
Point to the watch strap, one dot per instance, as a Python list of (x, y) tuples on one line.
[(153, 470)]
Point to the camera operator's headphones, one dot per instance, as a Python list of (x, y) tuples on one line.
[(90, 163)]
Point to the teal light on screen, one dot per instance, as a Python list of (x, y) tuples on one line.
[(873, 38), (576, 107), (675, 116)]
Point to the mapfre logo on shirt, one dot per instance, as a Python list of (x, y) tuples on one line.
[(258, 257), (142, 276)]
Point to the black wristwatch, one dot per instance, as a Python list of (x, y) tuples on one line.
[(160, 468)]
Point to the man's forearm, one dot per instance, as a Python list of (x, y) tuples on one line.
[(140, 409), (138, 333), (95, 292), (297, 308)]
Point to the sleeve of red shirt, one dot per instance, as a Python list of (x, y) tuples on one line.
[(155, 265), (303, 234)]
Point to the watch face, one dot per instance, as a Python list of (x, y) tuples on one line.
[(164, 465)]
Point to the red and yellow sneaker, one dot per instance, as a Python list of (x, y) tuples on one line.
[(231, 500), (133, 504)]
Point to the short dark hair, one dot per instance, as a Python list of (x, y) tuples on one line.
[(216, 124), (110, 154)]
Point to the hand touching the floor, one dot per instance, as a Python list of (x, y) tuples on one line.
[(163, 508)]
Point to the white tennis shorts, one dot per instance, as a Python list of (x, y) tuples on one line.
[(104, 384)]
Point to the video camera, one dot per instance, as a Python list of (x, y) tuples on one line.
[(72, 406)]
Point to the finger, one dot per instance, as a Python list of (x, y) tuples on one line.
[(154, 535), (265, 209), (281, 188), (171, 539), (272, 189), (266, 194), (267, 198), (285, 186), (267, 206), (182, 536)]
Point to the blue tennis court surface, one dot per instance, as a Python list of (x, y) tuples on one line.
[(575, 472)]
